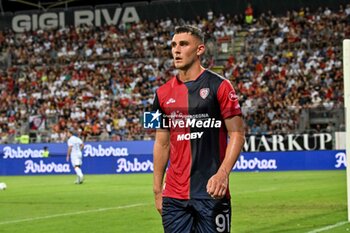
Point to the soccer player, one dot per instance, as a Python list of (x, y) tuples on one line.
[(75, 147), (200, 110)]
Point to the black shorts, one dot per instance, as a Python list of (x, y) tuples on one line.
[(196, 215)]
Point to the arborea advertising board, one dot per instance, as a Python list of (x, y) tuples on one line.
[(136, 157)]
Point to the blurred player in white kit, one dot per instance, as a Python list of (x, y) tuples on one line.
[(75, 147)]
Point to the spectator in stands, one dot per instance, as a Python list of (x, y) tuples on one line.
[(49, 73), (249, 14)]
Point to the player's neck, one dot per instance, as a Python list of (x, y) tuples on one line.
[(190, 74)]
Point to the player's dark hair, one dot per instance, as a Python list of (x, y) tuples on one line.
[(191, 30)]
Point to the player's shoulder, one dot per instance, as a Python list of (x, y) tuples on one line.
[(78, 139), (215, 77), (217, 81), (172, 82), (70, 140), (168, 86), (74, 139)]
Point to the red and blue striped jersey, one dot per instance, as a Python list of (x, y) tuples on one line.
[(194, 113)]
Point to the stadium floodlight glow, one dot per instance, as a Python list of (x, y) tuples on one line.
[(346, 78)]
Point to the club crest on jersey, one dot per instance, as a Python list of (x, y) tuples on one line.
[(204, 92)]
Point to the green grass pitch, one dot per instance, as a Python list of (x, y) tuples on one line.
[(311, 201)]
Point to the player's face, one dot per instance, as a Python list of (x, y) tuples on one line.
[(186, 50)]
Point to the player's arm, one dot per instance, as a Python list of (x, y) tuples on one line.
[(217, 184), (68, 153), (160, 160), (81, 146)]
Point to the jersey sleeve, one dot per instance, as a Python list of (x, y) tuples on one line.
[(228, 100), (157, 107), (69, 143), (156, 104)]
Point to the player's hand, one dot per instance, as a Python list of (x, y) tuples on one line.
[(217, 184), (158, 199), (67, 159)]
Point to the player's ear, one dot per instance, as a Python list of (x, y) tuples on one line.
[(200, 50)]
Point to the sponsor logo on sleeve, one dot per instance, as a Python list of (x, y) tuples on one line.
[(232, 96)]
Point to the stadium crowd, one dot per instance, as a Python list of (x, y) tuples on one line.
[(100, 80)]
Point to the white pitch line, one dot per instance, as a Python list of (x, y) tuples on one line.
[(328, 227), (73, 213), (254, 191)]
